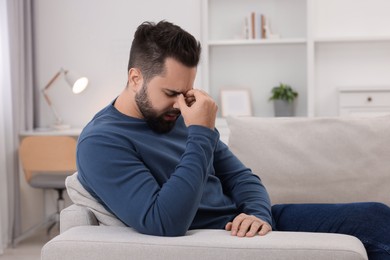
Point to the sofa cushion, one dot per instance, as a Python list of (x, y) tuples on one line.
[(81, 197), (313, 160)]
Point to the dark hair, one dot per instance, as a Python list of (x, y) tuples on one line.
[(153, 43)]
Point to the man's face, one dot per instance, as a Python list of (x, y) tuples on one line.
[(155, 100)]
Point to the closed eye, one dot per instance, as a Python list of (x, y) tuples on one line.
[(171, 93)]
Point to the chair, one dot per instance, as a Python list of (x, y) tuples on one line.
[(46, 162)]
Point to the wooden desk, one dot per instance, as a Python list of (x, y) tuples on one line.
[(74, 132)]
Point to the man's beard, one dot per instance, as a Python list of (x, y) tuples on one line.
[(156, 122)]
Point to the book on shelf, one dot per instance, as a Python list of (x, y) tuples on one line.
[(254, 26), (263, 27), (257, 26)]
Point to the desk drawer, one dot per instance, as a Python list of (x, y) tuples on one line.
[(365, 99)]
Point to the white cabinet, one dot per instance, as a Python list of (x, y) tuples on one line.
[(322, 45), (364, 101)]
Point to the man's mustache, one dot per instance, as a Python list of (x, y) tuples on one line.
[(173, 112)]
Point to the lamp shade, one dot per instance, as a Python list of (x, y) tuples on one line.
[(77, 83)]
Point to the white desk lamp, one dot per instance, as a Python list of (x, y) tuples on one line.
[(77, 84)]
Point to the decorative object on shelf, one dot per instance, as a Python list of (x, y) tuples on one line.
[(283, 97), (236, 102), (76, 83), (267, 32)]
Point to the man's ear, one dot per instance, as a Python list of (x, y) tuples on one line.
[(135, 79)]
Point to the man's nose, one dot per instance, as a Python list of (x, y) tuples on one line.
[(176, 102)]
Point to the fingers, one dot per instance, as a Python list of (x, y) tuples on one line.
[(190, 100), (247, 226), (181, 102), (228, 226), (265, 229), (236, 224), (197, 108), (253, 229), (195, 94)]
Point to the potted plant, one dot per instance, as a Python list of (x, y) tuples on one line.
[(283, 97)]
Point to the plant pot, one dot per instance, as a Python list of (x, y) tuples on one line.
[(283, 108)]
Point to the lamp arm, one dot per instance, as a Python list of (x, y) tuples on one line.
[(48, 101), (47, 98), (50, 83)]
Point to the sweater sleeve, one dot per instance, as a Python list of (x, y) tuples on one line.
[(119, 178), (244, 187)]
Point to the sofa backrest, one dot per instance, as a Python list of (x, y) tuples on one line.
[(316, 160)]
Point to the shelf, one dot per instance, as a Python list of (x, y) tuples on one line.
[(257, 42), (364, 89), (351, 39)]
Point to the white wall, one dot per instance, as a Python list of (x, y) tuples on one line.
[(93, 37)]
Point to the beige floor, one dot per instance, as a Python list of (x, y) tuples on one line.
[(28, 249)]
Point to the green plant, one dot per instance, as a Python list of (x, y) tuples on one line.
[(283, 92)]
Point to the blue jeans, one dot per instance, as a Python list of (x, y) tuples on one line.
[(368, 221)]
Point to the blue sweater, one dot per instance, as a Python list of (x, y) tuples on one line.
[(165, 184)]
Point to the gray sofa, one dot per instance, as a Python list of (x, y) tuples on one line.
[(300, 160)]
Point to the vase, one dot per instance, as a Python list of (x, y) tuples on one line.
[(283, 108)]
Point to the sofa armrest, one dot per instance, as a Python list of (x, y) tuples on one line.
[(117, 243), (74, 216)]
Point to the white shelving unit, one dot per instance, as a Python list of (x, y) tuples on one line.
[(322, 45)]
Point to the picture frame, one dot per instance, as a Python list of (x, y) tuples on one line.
[(235, 102)]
